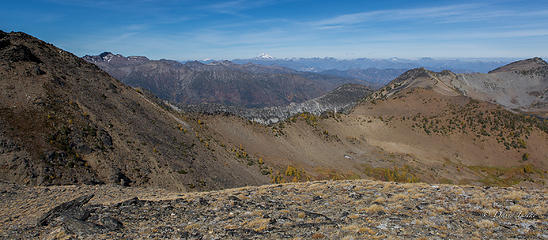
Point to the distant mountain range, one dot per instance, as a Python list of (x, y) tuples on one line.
[(227, 83), (481, 65), (372, 77)]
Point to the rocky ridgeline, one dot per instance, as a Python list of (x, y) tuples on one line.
[(518, 86), (358, 209), (340, 100)]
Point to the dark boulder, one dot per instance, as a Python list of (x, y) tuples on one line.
[(71, 209)]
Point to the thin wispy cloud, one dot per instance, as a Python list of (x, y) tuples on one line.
[(482, 15), (396, 14), (236, 6), (441, 14)]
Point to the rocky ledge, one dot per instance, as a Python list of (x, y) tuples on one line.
[(354, 209)]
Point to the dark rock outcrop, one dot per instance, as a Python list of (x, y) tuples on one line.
[(74, 218)]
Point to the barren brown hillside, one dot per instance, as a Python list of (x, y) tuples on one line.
[(64, 121)]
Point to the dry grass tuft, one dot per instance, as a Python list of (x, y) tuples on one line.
[(423, 221), (258, 224), (540, 210), (375, 208), (399, 197), (518, 209), (318, 236), (354, 216), (436, 210), (515, 195), (351, 228), (379, 200), (366, 230), (485, 224)]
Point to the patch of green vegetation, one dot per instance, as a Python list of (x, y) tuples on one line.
[(291, 174), (395, 174), (510, 129)]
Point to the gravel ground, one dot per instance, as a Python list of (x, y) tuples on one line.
[(357, 209)]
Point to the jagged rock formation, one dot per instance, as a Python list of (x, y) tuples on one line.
[(246, 85), (340, 100), (314, 210), (522, 85), (64, 121)]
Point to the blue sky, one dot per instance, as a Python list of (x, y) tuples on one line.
[(185, 29)]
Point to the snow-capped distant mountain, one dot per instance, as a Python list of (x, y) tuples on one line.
[(264, 56)]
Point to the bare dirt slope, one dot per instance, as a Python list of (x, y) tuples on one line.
[(64, 121), (357, 209)]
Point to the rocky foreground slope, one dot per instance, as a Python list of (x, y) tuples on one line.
[(358, 209)]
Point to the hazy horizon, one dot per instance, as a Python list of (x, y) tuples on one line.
[(329, 57)]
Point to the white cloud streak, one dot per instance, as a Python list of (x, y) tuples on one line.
[(395, 14), (234, 7), (442, 14)]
